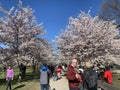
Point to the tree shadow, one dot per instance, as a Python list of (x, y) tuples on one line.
[(2, 81), (19, 86)]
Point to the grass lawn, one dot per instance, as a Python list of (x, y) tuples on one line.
[(26, 85), (30, 80)]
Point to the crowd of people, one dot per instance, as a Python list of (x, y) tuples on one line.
[(87, 79), (79, 78)]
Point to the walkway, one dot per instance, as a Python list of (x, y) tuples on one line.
[(61, 84)]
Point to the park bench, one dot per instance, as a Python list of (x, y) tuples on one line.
[(106, 86)]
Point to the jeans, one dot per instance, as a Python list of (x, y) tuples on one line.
[(9, 84), (44, 86)]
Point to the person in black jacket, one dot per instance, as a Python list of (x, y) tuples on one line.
[(90, 78), (22, 70)]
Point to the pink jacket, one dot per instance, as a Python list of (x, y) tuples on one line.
[(9, 73)]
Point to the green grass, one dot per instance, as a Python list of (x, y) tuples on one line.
[(29, 80), (25, 85)]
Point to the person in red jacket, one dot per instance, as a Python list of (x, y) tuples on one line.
[(107, 75), (58, 70), (73, 75)]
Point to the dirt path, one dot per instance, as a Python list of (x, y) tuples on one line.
[(61, 84)]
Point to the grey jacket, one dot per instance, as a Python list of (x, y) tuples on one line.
[(44, 77)]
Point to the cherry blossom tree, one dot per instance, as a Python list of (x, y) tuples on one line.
[(86, 38), (21, 33)]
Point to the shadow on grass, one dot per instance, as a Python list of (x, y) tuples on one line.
[(2, 81), (19, 86)]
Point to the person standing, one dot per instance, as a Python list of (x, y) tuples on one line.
[(59, 71), (9, 77), (73, 75), (22, 70), (44, 77), (90, 77), (107, 75)]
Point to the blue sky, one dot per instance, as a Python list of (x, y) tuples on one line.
[(54, 14)]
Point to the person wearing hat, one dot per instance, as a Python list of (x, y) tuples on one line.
[(44, 77)]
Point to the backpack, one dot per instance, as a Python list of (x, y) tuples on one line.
[(44, 75), (91, 78)]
